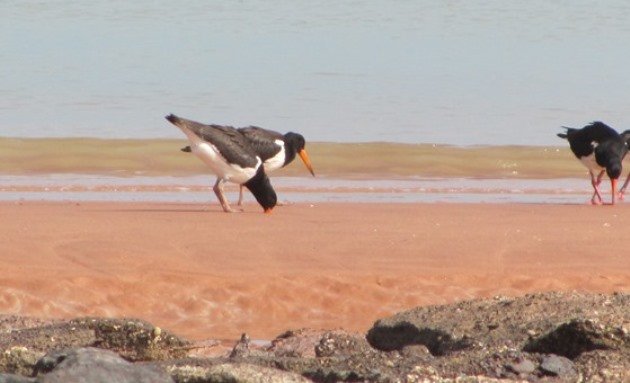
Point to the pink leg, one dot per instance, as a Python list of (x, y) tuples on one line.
[(624, 187), (240, 195), (218, 190), (595, 182)]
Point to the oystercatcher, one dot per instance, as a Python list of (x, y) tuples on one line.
[(601, 149), (231, 157), (275, 149), (625, 135)]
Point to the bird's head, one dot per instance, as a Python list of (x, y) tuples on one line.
[(614, 169), (261, 188), (609, 154), (295, 143)]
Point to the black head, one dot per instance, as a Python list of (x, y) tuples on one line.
[(293, 143), (261, 188), (614, 170), (609, 154)]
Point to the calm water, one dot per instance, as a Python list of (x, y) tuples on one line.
[(459, 72), (198, 189)]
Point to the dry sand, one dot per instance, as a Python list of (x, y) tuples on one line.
[(205, 274)]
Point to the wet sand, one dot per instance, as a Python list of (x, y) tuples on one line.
[(204, 274)]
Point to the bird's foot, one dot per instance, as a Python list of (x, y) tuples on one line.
[(596, 201), (621, 194), (229, 209)]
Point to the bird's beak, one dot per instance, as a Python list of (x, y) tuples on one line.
[(306, 161), (613, 183), (268, 210)]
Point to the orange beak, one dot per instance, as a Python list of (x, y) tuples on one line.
[(613, 183), (306, 161)]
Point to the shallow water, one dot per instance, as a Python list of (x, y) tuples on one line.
[(464, 73), (197, 189), (75, 169)]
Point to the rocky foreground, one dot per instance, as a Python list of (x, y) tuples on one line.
[(551, 337)]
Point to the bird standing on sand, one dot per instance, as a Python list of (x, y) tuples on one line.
[(625, 135), (601, 149), (275, 149), (231, 157)]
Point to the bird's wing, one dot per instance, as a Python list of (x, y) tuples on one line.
[(263, 141), (232, 145), (599, 132), (584, 141)]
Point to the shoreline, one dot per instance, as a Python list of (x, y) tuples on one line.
[(198, 189), (371, 160), (205, 274)]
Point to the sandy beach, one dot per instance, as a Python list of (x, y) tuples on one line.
[(208, 275)]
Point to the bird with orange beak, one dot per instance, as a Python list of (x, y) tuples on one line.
[(601, 149), (275, 149), (231, 157)]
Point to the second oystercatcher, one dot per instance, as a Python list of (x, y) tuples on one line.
[(231, 157), (276, 150), (625, 135), (601, 149)]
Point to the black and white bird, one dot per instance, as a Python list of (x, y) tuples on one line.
[(625, 135), (601, 149), (276, 150), (230, 156)]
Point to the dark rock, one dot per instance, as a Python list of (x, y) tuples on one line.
[(296, 343), (473, 341), (10, 323), (395, 336), (18, 360), (134, 339), (341, 344), (241, 349), (309, 343), (555, 365), (416, 350), (604, 366), (96, 365), (10, 378), (577, 336), (233, 373), (523, 366), (137, 340), (473, 324)]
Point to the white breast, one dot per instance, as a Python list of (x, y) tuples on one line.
[(590, 163), (277, 161)]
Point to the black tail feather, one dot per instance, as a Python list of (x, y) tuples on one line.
[(173, 118), (565, 135)]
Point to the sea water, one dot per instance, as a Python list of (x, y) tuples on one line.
[(456, 72)]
